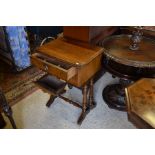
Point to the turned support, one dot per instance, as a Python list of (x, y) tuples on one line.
[(85, 110), (6, 109), (92, 103), (2, 122), (84, 98)]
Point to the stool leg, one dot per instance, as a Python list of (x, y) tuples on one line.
[(84, 106), (92, 103), (7, 109), (51, 100)]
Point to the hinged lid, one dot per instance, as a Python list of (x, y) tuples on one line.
[(69, 53), (141, 99)]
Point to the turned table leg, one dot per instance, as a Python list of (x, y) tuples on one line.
[(8, 112), (7, 109), (92, 103), (85, 110), (84, 98)]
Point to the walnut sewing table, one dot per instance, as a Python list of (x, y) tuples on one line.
[(73, 64)]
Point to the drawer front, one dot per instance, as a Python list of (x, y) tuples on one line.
[(53, 69)]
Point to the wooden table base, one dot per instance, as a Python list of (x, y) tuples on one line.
[(114, 95), (87, 103), (87, 92)]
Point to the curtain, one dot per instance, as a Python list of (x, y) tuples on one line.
[(19, 46)]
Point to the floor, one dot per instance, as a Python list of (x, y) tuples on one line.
[(31, 112), (17, 86)]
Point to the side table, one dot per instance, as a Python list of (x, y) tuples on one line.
[(140, 98)]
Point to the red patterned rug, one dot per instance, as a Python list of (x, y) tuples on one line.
[(16, 86)]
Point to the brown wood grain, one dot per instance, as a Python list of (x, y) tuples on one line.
[(53, 69), (61, 52), (88, 34), (141, 100), (86, 72), (69, 53)]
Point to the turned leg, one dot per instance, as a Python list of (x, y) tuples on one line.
[(84, 105), (7, 109), (51, 100), (10, 117), (84, 98), (2, 122), (92, 103)]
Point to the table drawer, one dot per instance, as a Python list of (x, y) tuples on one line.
[(53, 66)]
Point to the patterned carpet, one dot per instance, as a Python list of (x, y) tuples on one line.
[(16, 86), (32, 113)]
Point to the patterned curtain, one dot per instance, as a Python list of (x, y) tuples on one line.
[(19, 45)]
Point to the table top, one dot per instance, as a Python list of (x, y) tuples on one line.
[(141, 99), (69, 53), (117, 48)]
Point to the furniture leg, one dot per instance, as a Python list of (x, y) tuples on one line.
[(12, 121), (2, 122), (8, 112), (114, 95), (92, 103), (85, 109), (51, 100), (7, 109)]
